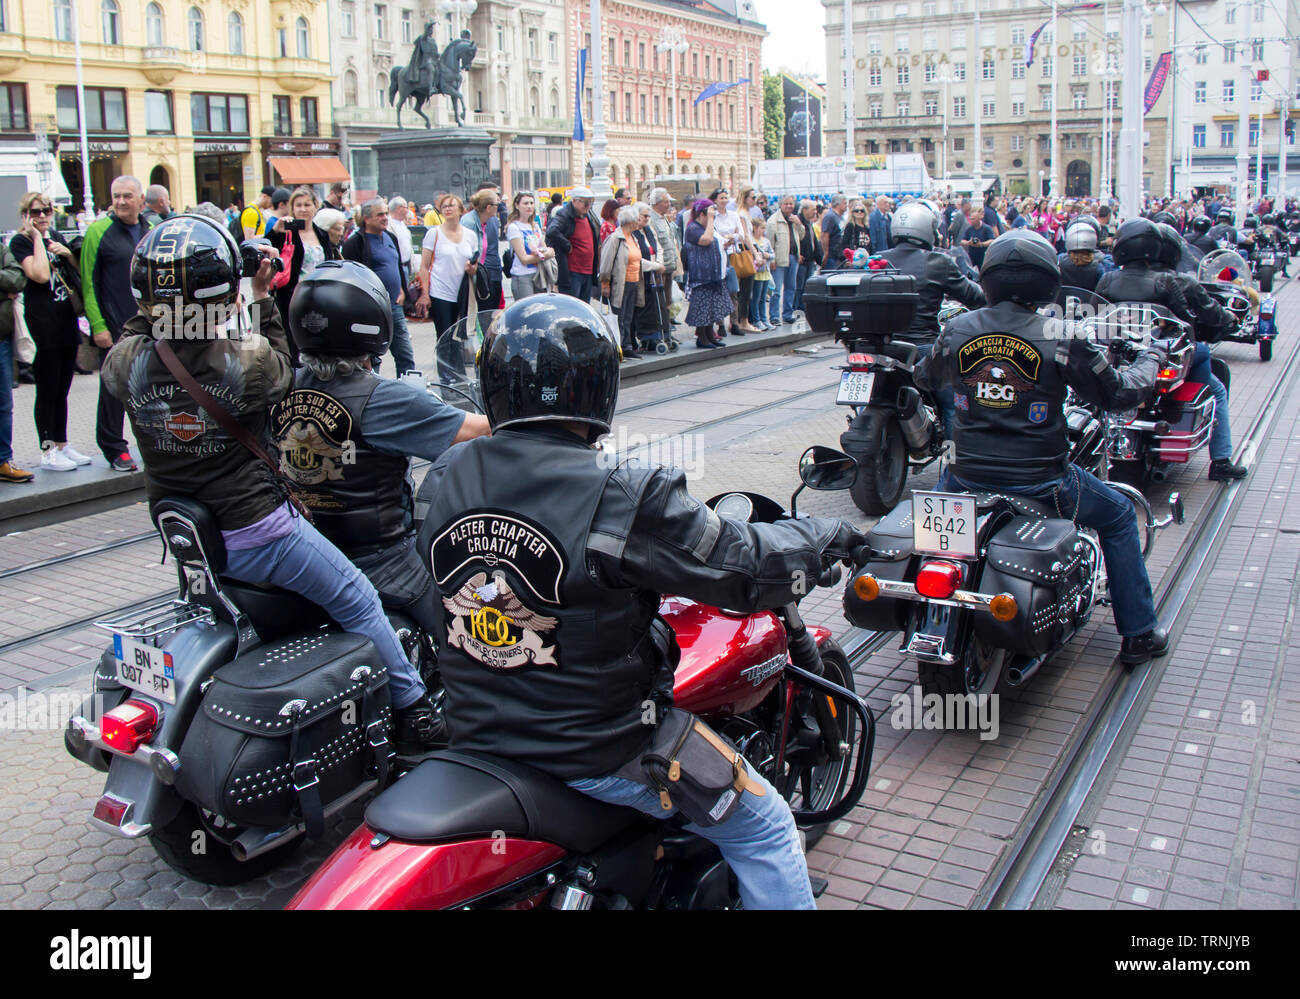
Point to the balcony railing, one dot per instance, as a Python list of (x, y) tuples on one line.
[(292, 129)]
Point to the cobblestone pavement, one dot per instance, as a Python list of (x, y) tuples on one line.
[(940, 806)]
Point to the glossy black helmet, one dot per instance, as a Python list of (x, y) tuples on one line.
[(1201, 224), (187, 259), (341, 309), (1020, 266), (1268, 218), (1136, 241), (1251, 222), (1168, 218), (549, 358), (1171, 245), (1224, 216)]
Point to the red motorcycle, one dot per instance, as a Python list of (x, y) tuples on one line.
[(468, 830)]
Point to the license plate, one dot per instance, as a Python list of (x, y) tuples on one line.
[(145, 668), (944, 524), (855, 388)]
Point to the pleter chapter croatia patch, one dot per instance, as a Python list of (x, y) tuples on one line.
[(489, 615)]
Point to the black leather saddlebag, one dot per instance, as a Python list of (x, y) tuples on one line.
[(287, 729), (891, 540), (1044, 565)]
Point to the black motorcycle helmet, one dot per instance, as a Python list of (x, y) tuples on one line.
[(1201, 224), (1020, 266), (1136, 241), (1224, 216), (341, 309), (1252, 221), (549, 358), (1268, 218), (187, 259), (1171, 245), (1168, 218)]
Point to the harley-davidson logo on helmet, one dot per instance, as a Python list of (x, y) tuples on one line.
[(314, 322), (183, 426)]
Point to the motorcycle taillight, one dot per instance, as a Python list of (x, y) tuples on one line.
[(938, 580), (860, 362), (128, 726), (1168, 379)]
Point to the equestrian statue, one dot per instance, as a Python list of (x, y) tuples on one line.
[(426, 74)]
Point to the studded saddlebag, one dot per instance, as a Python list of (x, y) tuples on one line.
[(287, 729), (891, 542), (1044, 565)]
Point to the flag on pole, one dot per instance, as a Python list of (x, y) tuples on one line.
[(713, 89), (1159, 73), (578, 134), (1029, 49)]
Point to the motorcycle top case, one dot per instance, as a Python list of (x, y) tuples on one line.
[(1043, 564), (879, 302), (320, 698), (892, 559)]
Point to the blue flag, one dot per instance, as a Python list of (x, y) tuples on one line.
[(713, 89), (578, 134)]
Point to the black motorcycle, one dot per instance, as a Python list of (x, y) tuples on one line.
[(893, 428)]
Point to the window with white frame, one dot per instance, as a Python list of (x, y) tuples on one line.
[(904, 74), (902, 107), (1017, 143), (1253, 134), (1112, 28), (1146, 64), (1256, 91), (873, 76), (1229, 51), (63, 20), (302, 36), (873, 45), (1259, 11), (902, 41), (1257, 50), (988, 107), (195, 24), (1048, 65), (1230, 14), (407, 27), (1017, 107), (1229, 91), (1017, 34), (1018, 69), (876, 110), (381, 20), (111, 19), (929, 9), (1045, 98), (1202, 54), (1227, 136), (873, 13), (1198, 136), (959, 107), (1198, 92), (931, 72), (988, 70), (958, 72), (1147, 29), (153, 24), (1079, 99), (931, 105), (1080, 67), (1113, 99), (347, 24)]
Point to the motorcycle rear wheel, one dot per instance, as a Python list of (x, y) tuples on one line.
[(818, 786), (1266, 350), (1266, 279), (175, 843), (982, 671), (882, 469)]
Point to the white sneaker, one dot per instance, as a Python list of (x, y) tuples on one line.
[(76, 456), (54, 460)]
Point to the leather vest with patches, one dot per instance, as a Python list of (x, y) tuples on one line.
[(360, 499), (1080, 277), (540, 662)]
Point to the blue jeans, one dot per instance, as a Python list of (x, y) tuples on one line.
[(1094, 504), (305, 562), (785, 283), (579, 286), (947, 407), (758, 302), (806, 270), (760, 841), (403, 353), (1221, 435), (6, 400)]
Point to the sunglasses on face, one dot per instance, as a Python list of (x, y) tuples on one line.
[(40, 211)]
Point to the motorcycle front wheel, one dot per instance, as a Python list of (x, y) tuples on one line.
[(192, 846), (882, 468)]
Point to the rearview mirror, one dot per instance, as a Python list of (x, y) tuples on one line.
[(827, 469)]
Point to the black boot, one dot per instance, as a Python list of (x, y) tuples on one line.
[(1140, 648), (418, 729), (1223, 470)]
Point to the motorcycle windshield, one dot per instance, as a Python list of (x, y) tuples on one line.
[(1223, 266), (456, 381)]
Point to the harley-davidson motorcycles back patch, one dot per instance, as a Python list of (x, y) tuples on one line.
[(487, 619)]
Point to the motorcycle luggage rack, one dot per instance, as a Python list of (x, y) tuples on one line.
[(156, 621)]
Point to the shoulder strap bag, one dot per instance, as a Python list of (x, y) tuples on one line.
[(225, 420)]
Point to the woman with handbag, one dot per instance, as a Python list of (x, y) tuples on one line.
[(302, 245), (448, 260), (485, 223), (528, 272), (742, 260), (706, 292), (621, 266), (50, 304)]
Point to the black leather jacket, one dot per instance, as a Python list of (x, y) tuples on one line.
[(549, 576), (1009, 371), (1202, 241), (936, 276), (559, 233), (1142, 283), (1210, 320)]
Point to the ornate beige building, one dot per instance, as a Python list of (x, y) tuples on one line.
[(212, 98)]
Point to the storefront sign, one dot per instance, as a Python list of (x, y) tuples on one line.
[(220, 147), (101, 148)]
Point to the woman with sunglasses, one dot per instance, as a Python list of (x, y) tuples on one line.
[(52, 322), (856, 234)]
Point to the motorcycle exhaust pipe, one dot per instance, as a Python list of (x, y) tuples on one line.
[(1159, 474), (1017, 675), (257, 841), (913, 421)]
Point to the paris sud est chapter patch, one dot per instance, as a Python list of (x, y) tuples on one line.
[(487, 619)]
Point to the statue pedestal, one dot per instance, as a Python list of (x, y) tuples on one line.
[(417, 163)]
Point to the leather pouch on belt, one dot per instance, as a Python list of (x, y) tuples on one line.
[(695, 770)]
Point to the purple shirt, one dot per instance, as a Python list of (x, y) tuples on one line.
[(274, 526)]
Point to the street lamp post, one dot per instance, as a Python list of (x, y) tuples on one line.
[(673, 42), (1056, 75), (600, 185), (945, 78), (87, 198), (850, 152), (1129, 167), (977, 178)]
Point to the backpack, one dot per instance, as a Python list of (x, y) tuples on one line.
[(237, 229), (507, 261)]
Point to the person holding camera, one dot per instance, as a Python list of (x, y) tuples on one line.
[(302, 246)]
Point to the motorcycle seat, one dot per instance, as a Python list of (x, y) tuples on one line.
[(273, 612), (457, 795)]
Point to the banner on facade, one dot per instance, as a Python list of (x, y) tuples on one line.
[(1159, 73), (803, 119), (1029, 50), (578, 134)]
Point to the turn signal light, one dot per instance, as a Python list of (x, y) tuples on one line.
[(865, 587), (938, 580), (862, 361), (1003, 607), (128, 726)]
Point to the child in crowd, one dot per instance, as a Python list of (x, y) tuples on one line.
[(758, 307)]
